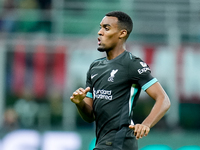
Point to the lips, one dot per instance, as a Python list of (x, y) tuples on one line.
[(99, 41)]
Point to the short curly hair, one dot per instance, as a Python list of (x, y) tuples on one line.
[(125, 21)]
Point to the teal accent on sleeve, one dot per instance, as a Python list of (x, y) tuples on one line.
[(89, 94), (132, 98), (148, 84)]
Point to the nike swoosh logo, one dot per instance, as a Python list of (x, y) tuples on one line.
[(94, 76)]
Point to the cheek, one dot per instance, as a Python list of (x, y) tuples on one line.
[(112, 40)]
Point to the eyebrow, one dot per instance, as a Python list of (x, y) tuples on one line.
[(105, 25)]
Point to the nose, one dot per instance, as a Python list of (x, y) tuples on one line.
[(100, 33)]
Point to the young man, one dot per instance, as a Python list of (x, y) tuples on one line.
[(113, 87)]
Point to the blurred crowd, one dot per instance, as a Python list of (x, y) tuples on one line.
[(15, 18)]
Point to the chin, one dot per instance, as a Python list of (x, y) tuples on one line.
[(102, 49)]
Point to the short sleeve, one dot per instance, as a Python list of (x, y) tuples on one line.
[(140, 73)]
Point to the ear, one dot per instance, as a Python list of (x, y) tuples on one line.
[(123, 34)]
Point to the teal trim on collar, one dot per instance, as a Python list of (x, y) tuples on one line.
[(148, 84)]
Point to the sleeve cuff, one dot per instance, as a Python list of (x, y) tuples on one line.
[(89, 94), (148, 84)]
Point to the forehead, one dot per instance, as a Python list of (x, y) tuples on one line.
[(108, 20)]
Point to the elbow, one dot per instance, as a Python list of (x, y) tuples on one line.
[(167, 103)]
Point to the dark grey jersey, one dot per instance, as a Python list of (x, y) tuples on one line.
[(115, 86)]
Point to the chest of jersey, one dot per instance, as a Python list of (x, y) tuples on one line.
[(106, 76), (109, 81)]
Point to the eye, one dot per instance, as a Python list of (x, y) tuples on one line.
[(106, 28)]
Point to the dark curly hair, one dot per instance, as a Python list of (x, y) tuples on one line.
[(125, 21)]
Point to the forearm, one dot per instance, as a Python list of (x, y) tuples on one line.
[(85, 111), (158, 111), (83, 103)]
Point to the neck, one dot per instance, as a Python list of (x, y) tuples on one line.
[(115, 52)]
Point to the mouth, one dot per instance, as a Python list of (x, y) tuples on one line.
[(99, 41)]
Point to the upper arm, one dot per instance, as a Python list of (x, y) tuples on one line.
[(156, 92)]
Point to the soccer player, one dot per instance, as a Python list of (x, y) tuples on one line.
[(113, 86)]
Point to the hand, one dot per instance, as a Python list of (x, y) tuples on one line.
[(140, 130), (79, 95)]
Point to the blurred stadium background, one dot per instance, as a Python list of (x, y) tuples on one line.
[(46, 47)]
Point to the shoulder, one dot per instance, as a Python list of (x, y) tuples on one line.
[(137, 65), (133, 59), (97, 61)]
